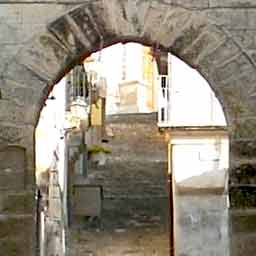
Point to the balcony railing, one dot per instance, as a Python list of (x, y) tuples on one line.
[(164, 101)]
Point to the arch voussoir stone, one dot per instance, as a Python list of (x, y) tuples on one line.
[(45, 56), (65, 33), (236, 80), (224, 51), (81, 30), (22, 75), (123, 18)]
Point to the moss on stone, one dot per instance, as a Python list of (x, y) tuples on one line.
[(243, 198), (10, 248), (96, 149), (14, 227)]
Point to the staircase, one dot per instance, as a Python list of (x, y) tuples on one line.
[(135, 206)]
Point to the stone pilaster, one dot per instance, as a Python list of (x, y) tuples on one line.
[(242, 192), (17, 197)]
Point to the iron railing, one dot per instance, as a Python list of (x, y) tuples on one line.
[(164, 101)]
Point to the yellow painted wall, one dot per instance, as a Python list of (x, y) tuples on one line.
[(97, 113), (149, 75)]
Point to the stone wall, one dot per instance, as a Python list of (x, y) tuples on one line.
[(41, 40), (137, 165), (133, 217)]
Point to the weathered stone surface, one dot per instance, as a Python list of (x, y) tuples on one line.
[(9, 134), (13, 227), (243, 174), (12, 168), (123, 17), (13, 247), (239, 18), (232, 3), (79, 31), (46, 56), (238, 63), (17, 235), (243, 230), (225, 50), (243, 221), (244, 128), (242, 187), (133, 137), (23, 75), (242, 196), (196, 4), (217, 38), (201, 225), (243, 148), (86, 20), (207, 42), (18, 203), (172, 27), (17, 134), (11, 112), (245, 38), (19, 94)]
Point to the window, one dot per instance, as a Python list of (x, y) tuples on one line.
[(79, 83)]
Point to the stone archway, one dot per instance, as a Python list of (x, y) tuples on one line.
[(31, 74)]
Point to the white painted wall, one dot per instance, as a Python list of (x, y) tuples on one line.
[(49, 132), (193, 102), (203, 159)]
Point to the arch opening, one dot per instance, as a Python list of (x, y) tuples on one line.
[(126, 117)]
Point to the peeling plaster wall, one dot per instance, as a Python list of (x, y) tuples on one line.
[(199, 165)]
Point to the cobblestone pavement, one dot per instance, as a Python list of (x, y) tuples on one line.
[(128, 227)]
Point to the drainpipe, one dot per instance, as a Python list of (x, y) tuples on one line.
[(65, 187), (38, 222), (171, 201)]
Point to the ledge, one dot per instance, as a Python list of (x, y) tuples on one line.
[(182, 190)]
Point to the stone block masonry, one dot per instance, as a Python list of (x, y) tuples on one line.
[(41, 40)]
